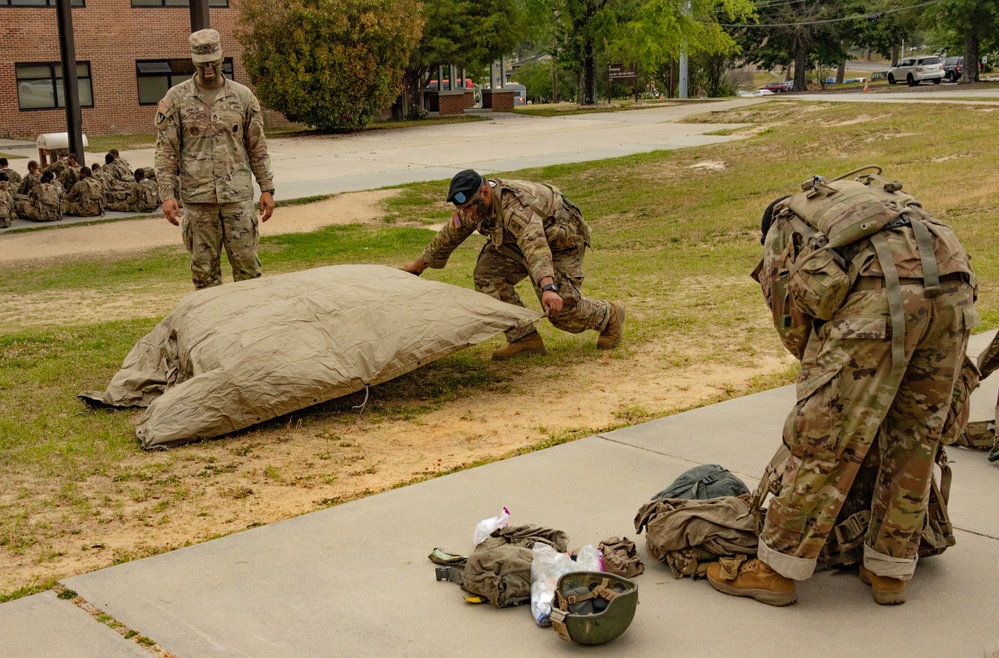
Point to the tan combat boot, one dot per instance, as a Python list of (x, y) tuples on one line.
[(757, 580), (611, 335), (886, 590), (529, 344)]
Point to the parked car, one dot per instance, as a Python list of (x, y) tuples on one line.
[(779, 86), (953, 66), (913, 70)]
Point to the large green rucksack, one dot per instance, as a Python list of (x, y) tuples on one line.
[(834, 215), (148, 196), (845, 545), (49, 201)]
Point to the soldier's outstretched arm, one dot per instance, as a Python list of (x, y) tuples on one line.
[(415, 267)]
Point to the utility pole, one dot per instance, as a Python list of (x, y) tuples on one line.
[(70, 90), (200, 19)]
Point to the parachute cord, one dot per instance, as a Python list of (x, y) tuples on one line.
[(363, 404)]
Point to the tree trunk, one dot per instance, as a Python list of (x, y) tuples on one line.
[(589, 75), (970, 72), (841, 73), (554, 80), (894, 55), (800, 62)]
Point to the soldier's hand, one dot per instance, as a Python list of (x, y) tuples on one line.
[(551, 301), (172, 211), (266, 208), (415, 267)]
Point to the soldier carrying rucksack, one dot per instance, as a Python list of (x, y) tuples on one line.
[(876, 297)]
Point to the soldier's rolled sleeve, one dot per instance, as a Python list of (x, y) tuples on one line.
[(167, 159), (537, 253), (445, 242), (256, 146)]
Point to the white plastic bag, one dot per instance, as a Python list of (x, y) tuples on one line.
[(486, 527), (589, 558), (547, 566)]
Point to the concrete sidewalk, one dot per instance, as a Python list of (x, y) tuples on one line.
[(355, 580)]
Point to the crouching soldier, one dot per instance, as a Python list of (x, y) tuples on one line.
[(86, 198), (535, 232), (6, 202), (44, 202)]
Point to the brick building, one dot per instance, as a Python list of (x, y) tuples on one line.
[(128, 53)]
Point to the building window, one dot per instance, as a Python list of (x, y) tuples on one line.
[(164, 3), (39, 85), (37, 3), (156, 76)]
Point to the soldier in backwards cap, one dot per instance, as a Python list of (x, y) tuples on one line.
[(211, 136), (534, 231)]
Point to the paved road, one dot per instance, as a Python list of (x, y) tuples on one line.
[(330, 164)]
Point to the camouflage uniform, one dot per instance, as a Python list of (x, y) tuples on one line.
[(144, 197), (7, 213), (12, 176), (44, 203), (28, 182), (533, 232), (69, 176), (847, 390), (85, 199), (212, 150), (120, 170), (118, 193)]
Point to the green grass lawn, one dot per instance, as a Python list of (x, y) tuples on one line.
[(660, 229), (675, 242)]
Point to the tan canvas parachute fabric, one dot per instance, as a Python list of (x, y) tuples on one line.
[(232, 356)]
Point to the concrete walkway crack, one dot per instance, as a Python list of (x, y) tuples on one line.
[(146, 643)]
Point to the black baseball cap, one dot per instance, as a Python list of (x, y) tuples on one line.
[(464, 185)]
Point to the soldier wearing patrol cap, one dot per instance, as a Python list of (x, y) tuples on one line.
[(534, 231), (211, 137)]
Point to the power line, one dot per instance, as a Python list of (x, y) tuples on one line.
[(871, 16)]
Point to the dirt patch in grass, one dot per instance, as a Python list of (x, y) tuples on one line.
[(142, 234), (153, 502)]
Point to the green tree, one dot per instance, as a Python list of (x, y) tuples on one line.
[(536, 76), (884, 32), (659, 31), (465, 34), (973, 22), (331, 64), (805, 33)]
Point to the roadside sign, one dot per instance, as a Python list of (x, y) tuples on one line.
[(621, 72)]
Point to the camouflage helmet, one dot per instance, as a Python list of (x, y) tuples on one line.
[(593, 607)]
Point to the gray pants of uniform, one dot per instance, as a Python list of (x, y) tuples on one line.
[(209, 227), (501, 268)]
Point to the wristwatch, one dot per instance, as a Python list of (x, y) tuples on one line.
[(270, 191), (550, 287)]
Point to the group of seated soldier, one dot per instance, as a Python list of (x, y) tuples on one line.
[(66, 188)]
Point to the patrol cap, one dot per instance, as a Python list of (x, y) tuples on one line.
[(464, 185), (206, 46)]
